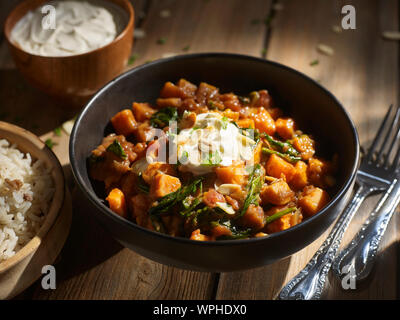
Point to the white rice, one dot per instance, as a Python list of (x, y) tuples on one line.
[(22, 208)]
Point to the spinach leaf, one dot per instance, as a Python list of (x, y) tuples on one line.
[(142, 185), (237, 233), (285, 147), (253, 189), (287, 157), (170, 200), (117, 149), (162, 118)]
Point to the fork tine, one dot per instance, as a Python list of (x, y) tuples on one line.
[(378, 135), (396, 157), (396, 138), (389, 132)]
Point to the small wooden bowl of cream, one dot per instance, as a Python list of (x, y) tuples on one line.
[(70, 49)]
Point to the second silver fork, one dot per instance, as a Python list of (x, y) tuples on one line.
[(371, 177)]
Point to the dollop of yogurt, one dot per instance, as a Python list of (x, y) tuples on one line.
[(213, 141), (80, 27)]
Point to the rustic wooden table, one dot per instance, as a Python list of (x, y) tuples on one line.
[(363, 73)]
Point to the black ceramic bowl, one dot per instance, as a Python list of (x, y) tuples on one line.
[(314, 107)]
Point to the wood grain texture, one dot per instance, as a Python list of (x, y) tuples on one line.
[(363, 73), (203, 26)]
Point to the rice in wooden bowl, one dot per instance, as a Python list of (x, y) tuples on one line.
[(34, 211)]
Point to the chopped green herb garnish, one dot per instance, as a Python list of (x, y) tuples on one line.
[(117, 149), (279, 214), (267, 20), (264, 51), (186, 48), (224, 121), (212, 105), (57, 132), (314, 62), (162, 118), (132, 59), (161, 41), (49, 143), (211, 159)]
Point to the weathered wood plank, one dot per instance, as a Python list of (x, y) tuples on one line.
[(363, 73), (203, 26)]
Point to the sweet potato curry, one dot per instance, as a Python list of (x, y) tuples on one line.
[(210, 166)]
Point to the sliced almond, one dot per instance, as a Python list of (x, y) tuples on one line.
[(139, 33), (391, 35), (228, 188), (67, 126), (325, 49), (225, 207), (169, 55), (165, 13), (337, 29)]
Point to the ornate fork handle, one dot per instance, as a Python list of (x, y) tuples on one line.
[(360, 254), (309, 283)]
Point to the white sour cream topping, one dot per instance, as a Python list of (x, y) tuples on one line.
[(80, 27), (212, 142)]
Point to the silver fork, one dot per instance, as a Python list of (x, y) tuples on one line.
[(371, 177), (360, 254)]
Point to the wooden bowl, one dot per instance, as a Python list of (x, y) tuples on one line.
[(21, 270), (72, 79)]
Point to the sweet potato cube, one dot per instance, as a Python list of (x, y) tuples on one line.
[(163, 184), (280, 224), (188, 89), (300, 179), (313, 200), (305, 145), (116, 201), (278, 193), (219, 231), (169, 102), (276, 167), (233, 115), (124, 122), (246, 123), (234, 174), (285, 128), (171, 91), (196, 235), (142, 111), (264, 122), (155, 168), (253, 218)]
